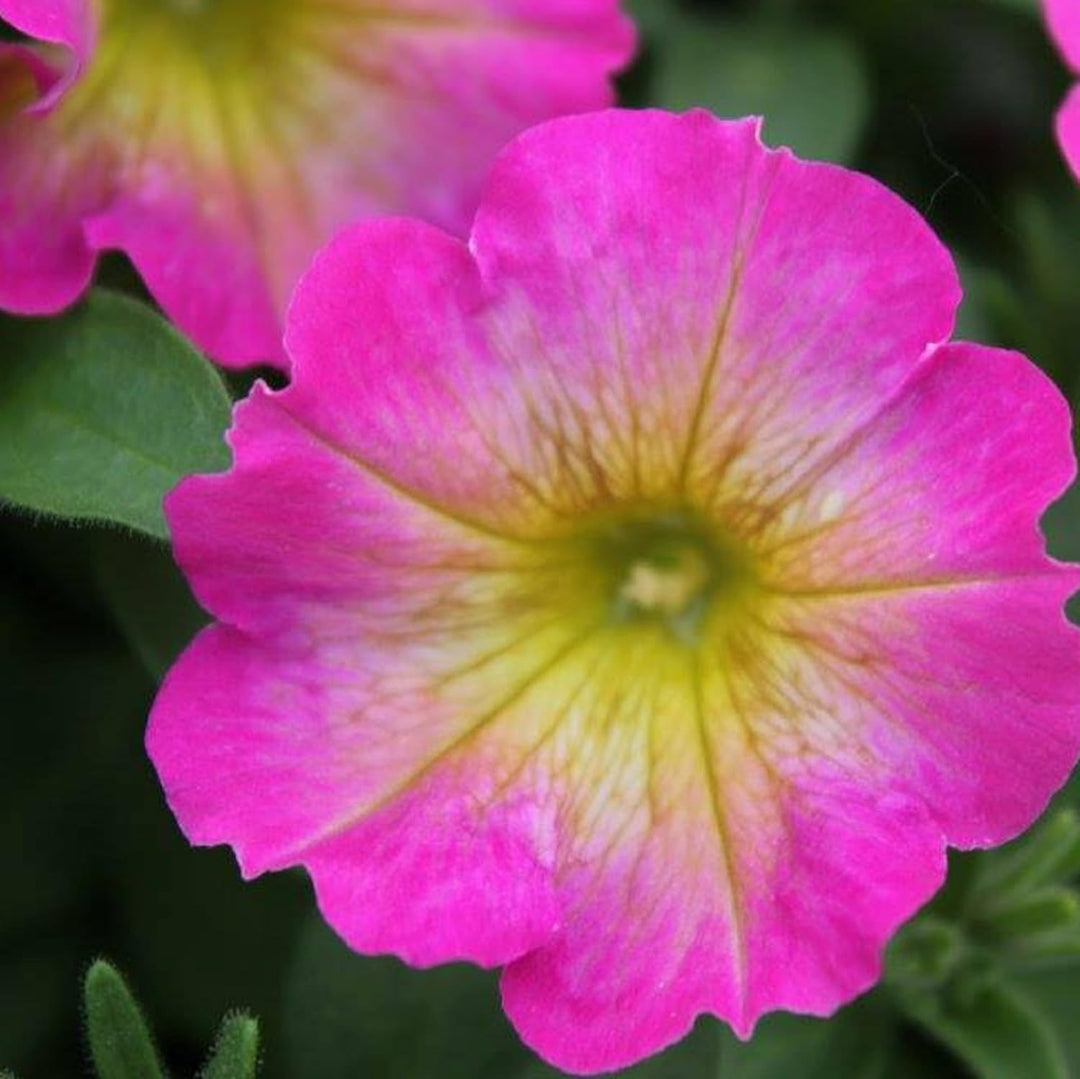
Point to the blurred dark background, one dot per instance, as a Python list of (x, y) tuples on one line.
[(951, 103)]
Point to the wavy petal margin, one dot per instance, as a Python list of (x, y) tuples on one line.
[(1063, 19), (426, 684)]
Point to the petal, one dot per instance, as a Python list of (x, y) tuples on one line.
[(724, 282), (931, 494), (969, 696), (65, 22), (688, 883), (45, 261), (408, 299), (227, 158), (1063, 17), (1068, 129), (396, 80), (629, 325), (594, 1000), (308, 782), (257, 563), (173, 231), (349, 705), (913, 566), (653, 314), (69, 23)]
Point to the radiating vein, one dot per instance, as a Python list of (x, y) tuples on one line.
[(444, 752), (406, 492), (723, 835)]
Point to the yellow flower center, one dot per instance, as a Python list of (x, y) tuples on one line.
[(669, 589), (659, 569)]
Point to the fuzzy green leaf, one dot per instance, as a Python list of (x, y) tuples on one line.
[(120, 1042), (236, 1050)]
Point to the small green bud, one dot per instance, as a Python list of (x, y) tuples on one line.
[(120, 1041), (236, 1050)]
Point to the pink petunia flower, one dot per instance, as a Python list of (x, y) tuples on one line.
[(640, 596), (221, 143), (1064, 19)]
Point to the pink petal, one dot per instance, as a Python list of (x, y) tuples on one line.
[(365, 543), (174, 234), (604, 305), (69, 23), (1068, 130), (414, 572), (1063, 17), (929, 494), (45, 262), (359, 113), (723, 283), (788, 910), (65, 22), (424, 659), (309, 784)]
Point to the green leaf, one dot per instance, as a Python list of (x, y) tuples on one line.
[(102, 411), (120, 1042), (810, 86), (236, 1050), (994, 1030)]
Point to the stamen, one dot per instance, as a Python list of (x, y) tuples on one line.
[(669, 589), (667, 568)]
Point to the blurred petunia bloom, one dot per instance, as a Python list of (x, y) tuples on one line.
[(219, 143), (640, 596), (1064, 19)]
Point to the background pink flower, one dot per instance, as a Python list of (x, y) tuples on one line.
[(640, 597), (1064, 19), (220, 144)]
